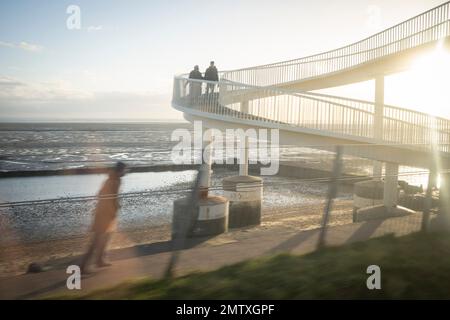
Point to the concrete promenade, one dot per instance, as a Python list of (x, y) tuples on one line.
[(200, 254)]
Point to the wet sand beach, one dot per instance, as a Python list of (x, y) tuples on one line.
[(15, 258)]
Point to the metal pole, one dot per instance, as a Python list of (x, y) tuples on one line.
[(178, 243), (444, 200), (332, 191), (206, 164), (428, 201), (200, 191)]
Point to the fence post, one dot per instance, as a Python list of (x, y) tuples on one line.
[(332, 191), (428, 201), (178, 243)]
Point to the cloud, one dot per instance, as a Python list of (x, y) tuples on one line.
[(8, 82), (95, 28), (15, 90), (30, 47), (23, 45), (60, 100)]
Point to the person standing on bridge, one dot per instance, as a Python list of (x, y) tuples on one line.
[(211, 74), (195, 88), (105, 218)]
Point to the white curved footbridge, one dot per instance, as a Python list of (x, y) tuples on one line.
[(278, 96)]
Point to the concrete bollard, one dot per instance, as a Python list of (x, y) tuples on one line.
[(245, 195), (212, 217), (367, 194)]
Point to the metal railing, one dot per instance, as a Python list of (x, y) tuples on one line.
[(326, 113), (427, 27), (402, 125), (192, 93), (253, 94)]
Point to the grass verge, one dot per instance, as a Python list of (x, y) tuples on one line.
[(412, 267)]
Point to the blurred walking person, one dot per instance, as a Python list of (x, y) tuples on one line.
[(211, 74), (105, 218)]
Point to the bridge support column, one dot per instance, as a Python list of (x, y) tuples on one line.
[(243, 159), (205, 168), (377, 170), (378, 121), (243, 191), (244, 106), (379, 106), (211, 211), (390, 194), (245, 195), (243, 165)]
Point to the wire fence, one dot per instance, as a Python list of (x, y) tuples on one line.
[(313, 191)]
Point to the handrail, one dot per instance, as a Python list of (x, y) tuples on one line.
[(346, 99), (276, 65), (255, 93), (402, 109), (347, 117), (196, 80), (431, 25), (352, 44)]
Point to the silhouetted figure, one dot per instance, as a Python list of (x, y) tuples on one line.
[(195, 88), (105, 219), (211, 74), (195, 74)]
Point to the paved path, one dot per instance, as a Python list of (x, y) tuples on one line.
[(203, 254)]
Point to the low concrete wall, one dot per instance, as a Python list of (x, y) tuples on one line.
[(381, 212), (305, 172)]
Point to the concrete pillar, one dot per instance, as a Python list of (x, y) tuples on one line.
[(245, 195), (244, 106), (212, 217), (378, 121), (377, 170), (209, 213), (379, 106), (390, 193), (243, 165), (205, 168), (367, 194)]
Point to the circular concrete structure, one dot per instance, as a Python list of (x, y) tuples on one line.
[(212, 217), (245, 195), (367, 194)]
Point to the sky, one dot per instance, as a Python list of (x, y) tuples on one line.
[(119, 65)]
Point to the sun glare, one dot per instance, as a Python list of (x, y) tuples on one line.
[(425, 87)]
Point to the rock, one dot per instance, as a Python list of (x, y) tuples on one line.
[(34, 267)]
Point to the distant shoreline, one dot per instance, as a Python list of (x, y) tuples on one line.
[(102, 170), (286, 169), (95, 121)]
